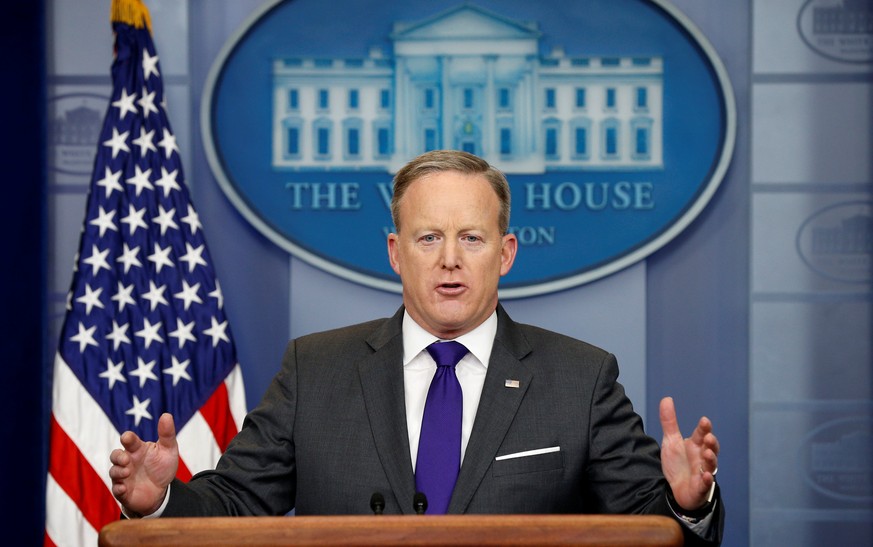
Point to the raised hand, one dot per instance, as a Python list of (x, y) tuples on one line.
[(142, 471), (689, 464)]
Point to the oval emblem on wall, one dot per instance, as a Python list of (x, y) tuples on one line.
[(838, 29), (613, 121), (837, 242), (837, 456), (75, 120)]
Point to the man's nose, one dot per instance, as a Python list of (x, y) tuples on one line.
[(451, 256)]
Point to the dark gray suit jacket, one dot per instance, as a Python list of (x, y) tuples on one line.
[(331, 430)]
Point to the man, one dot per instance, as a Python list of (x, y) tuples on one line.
[(541, 424)]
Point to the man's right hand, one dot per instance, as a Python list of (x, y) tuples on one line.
[(142, 471)]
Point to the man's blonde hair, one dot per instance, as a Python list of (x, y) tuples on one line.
[(438, 161)]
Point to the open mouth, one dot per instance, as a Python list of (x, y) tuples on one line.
[(450, 289)]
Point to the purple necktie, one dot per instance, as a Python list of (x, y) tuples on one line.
[(439, 447)]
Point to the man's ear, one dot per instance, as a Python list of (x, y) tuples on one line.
[(507, 253), (393, 258)]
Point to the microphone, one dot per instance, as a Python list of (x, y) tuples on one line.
[(377, 503), (419, 503)]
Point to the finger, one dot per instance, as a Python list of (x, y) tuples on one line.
[(131, 441), (711, 441), (704, 428), (117, 473), (712, 460), (667, 412), (707, 463), (706, 481), (119, 457), (166, 431), (712, 464)]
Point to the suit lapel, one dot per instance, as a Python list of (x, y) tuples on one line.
[(381, 375), (497, 408)]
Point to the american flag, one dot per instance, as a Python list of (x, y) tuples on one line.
[(145, 330)]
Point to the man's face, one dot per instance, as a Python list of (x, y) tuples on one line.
[(449, 253)]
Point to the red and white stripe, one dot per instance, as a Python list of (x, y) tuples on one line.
[(79, 499)]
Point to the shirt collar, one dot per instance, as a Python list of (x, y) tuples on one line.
[(478, 341)]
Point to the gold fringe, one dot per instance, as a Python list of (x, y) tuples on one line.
[(132, 12)]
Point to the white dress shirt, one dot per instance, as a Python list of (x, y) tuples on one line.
[(419, 369)]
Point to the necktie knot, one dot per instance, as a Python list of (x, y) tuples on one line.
[(447, 354)]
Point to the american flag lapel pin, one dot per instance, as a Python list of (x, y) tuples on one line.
[(512, 383)]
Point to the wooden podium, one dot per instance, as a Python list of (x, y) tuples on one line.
[(443, 530)]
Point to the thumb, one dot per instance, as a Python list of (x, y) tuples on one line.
[(667, 412), (167, 431)]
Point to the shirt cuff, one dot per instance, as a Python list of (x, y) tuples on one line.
[(156, 514), (701, 521)]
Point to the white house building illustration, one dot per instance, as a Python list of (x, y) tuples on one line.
[(473, 80)]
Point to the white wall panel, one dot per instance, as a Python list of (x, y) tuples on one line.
[(818, 133)]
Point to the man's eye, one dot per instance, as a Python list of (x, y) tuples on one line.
[(471, 239), (430, 238)]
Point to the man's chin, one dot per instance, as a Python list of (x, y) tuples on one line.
[(456, 319)]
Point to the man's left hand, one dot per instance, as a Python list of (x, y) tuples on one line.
[(688, 464)]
